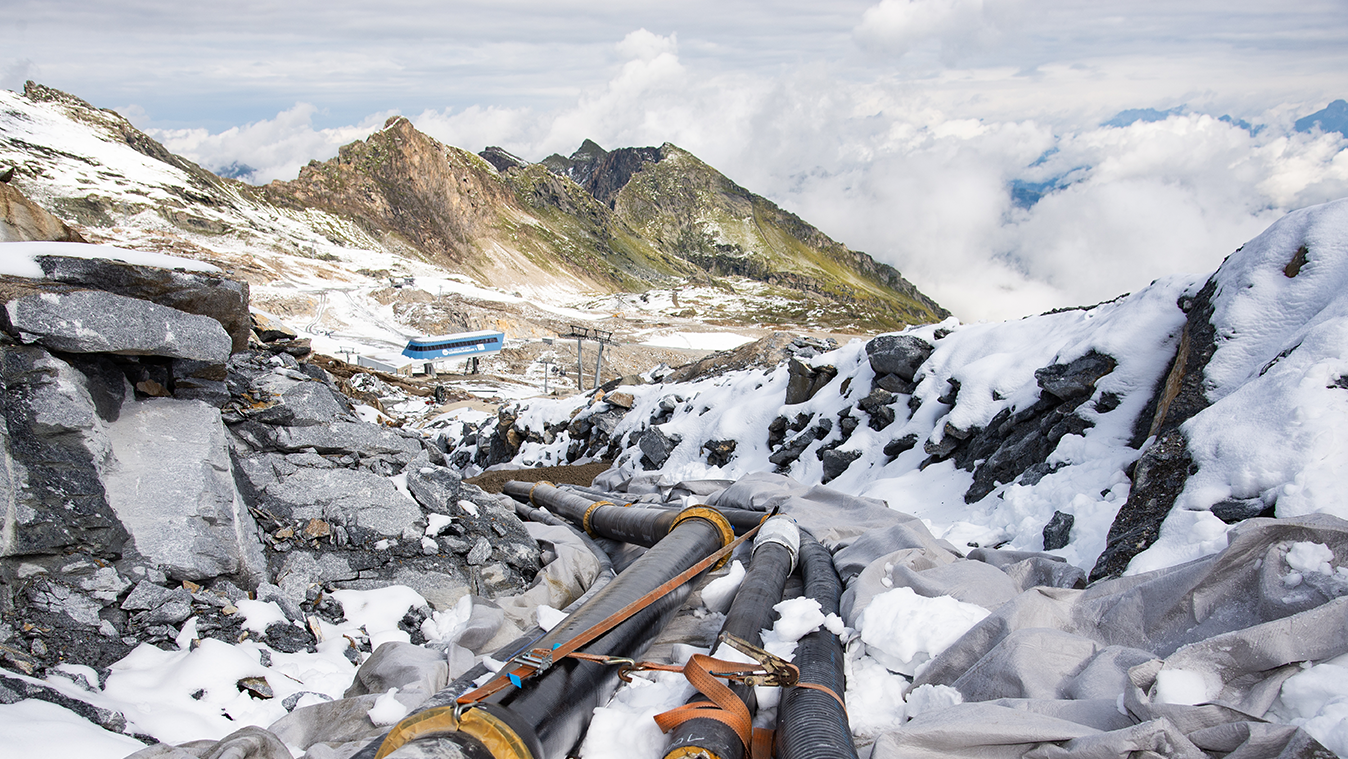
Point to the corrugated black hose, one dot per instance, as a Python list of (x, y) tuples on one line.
[(812, 724), (773, 559)]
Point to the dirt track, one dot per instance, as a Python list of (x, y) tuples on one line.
[(582, 474)]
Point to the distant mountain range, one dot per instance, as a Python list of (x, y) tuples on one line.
[(626, 220)]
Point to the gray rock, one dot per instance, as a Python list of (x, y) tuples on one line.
[(170, 483), (52, 446), (900, 355), (656, 447), (1233, 510), (103, 585), (173, 611), (358, 438), (836, 462), (296, 402), (269, 592), (606, 423), (56, 598), (203, 294), (719, 452), (787, 454), (480, 553), (805, 381), (894, 384), (878, 406), (897, 446), (1058, 531), (13, 690), (436, 488), (91, 321), (799, 377), (402, 666), (270, 330), (1075, 379), (353, 499), (146, 595), (1158, 477)]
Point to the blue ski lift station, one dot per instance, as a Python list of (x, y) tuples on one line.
[(460, 345)]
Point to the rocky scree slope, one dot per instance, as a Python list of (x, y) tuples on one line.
[(151, 473), (1126, 436), (686, 207)]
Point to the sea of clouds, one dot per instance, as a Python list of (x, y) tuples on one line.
[(994, 214)]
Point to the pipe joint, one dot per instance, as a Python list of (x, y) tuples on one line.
[(717, 519), (585, 520), (783, 531)]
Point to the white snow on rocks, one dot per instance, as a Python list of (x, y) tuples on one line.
[(1274, 431), (19, 259)]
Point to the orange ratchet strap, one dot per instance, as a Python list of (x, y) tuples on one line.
[(530, 663)]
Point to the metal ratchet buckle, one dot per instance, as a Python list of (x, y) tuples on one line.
[(537, 659), (777, 671)]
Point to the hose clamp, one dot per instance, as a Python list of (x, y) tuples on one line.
[(717, 519), (782, 530), (536, 484), (585, 521)]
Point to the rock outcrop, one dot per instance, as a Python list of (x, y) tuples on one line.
[(21, 219), (148, 475)]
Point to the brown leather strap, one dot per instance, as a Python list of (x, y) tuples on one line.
[(763, 743), (725, 707)]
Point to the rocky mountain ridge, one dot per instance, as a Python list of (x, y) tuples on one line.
[(640, 218)]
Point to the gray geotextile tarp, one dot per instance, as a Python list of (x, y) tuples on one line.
[(1060, 670)]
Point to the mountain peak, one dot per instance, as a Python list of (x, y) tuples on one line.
[(1331, 118)]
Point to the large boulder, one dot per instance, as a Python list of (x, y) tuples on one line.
[(342, 438), (900, 355), (200, 293), (171, 484), (52, 499), (93, 321), (358, 501)]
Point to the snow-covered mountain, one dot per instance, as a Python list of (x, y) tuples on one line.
[(399, 204), (1127, 436)]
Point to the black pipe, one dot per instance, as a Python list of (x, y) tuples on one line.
[(560, 703), (601, 494), (773, 559), (812, 724), (642, 525), (550, 711), (570, 505), (529, 639)]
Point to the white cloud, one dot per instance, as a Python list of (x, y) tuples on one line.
[(897, 26), (272, 148), (918, 169), (645, 46)]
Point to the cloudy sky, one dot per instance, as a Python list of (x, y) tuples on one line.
[(962, 141)]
